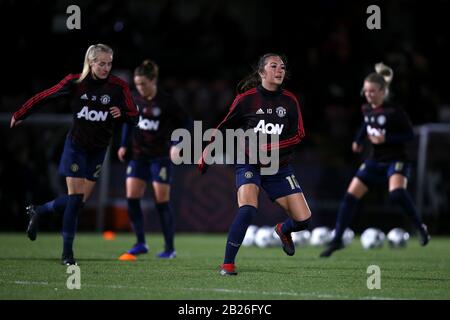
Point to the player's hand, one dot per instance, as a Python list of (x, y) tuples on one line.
[(377, 139), (115, 112), (357, 148), (121, 153), (14, 122)]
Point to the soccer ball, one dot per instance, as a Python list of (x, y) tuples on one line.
[(347, 237), (249, 238), (263, 237), (320, 236), (397, 238), (301, 238), (372, 238)]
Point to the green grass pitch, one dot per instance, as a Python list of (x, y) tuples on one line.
[(31, 270)]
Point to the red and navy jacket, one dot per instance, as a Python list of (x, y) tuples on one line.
[(90, 101), (392, 122), (151, 138), (268, 112)]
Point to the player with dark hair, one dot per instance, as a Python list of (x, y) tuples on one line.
[(150, 148), (388, 128), (263, 103), (97, 101)]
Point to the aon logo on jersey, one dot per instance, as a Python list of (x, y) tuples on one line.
[(146, 124), (375, 131), (92, 115), (268, 128)]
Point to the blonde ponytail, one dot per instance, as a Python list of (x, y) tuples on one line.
[(385, 71), (383, 77), (91, 55)]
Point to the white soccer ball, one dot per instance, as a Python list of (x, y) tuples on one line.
[(249, 238), (320, 236), (263, 237), (347, 237), (372, 238), (397, 238), (301, 238)]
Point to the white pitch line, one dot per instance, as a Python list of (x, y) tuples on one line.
[(289, 293), (223, 290), (37, 283)]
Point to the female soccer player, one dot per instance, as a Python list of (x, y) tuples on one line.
[(262, 106), (150, 162), (388, 128), (97, 100)]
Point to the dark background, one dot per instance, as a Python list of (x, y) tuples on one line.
[(203, 49)]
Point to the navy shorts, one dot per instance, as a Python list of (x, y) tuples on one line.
[(79, 163), (373, 173), (158, 170), (281, 184)]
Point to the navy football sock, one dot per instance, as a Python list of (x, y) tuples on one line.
[(57, 205), (167, 224), (237, 231), (402, 197), (74, 204), (345, 214), (291, 225), (137, 218)]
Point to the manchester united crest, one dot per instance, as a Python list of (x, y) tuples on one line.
[(281, 112), (105, 99)]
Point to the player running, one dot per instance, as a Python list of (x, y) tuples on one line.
[(388, 128), (263, 104), (150, 147), (97, 100)]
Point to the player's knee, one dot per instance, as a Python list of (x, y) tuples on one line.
[(253, 202), (357, 188), (162, 198), (300, 215), (135, 191), (248, 195), (134, 194), (356, 193)]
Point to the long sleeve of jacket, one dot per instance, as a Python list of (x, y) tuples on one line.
[(63, 88)]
